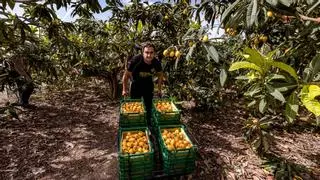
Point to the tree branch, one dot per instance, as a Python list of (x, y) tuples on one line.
[(286, 19), (306, 18)]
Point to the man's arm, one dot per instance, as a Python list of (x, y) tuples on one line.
[(127, 74)]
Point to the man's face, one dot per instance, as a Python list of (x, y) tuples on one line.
[(148, 54)]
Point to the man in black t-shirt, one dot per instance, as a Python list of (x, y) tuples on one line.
[(140, 71)]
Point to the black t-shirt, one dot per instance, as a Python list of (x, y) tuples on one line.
[(142, 71)]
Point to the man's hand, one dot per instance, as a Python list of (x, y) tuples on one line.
[(124, 93)]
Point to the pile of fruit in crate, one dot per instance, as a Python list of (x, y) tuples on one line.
[(132, 113), (132, 107), (164, 106), (136, 150), (134, 142), (175, 139)]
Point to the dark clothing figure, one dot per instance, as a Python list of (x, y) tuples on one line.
[(25, 90), (20, 67), (142, 81)]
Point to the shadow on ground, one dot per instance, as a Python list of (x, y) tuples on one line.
[(69, 136), (72, 135)]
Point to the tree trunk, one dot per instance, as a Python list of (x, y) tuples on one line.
[(112, 80), (115, 83)]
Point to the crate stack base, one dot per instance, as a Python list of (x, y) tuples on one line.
[(178, 161), (135, 166)]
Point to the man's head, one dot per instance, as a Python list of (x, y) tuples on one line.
[(148, 51)]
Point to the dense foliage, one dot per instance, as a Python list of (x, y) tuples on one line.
[(270, 46)]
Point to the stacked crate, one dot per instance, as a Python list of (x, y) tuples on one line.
[(178, 159), (136, 156), (135, 161), (135, 150)]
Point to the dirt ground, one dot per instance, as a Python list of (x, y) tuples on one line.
[(72, 134)]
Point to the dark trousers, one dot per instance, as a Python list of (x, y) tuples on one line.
[(25, 91), (146, 93)]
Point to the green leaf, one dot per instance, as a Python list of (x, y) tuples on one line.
[(256, 143), (11, 3), (275, 93), (252, 12), (262, 105), (223, 76), (271, 53), (107, 8), (285, 88), (286, 2), (287, 68), (292, 108), (139, 27), (237, 16), (272, 2), (176, 63), (189, 55), (314, 91), (254, 57), (188, 34), (254, 89), (200, 32), (312, 70), (212, 52), (277, 77), (242, 78), (312, 8), (308, 94), (4, 4), (252, 103), (265, 143), (229, 11), (249, 12), (244, 65), (265, 125), (252, 75)]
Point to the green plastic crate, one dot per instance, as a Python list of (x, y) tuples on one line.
[(135, 175), (178, 166), (166, 118), (125, 176), (135, 166), (132, 119), (177, 162)]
